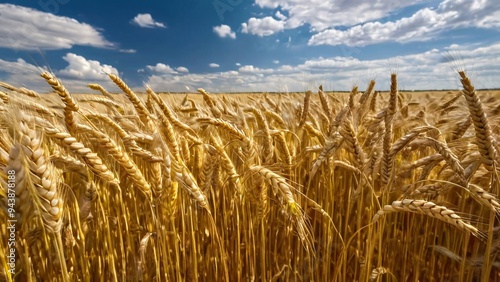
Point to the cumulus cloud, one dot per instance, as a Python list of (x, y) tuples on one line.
[(213, 82), (322, 14), (431, 69), (252, 69), (24, 28), (426, 70), (182, 69), (280, 16), (360, 23), (19, 66), (23, 74), (213, 65), (224, 31), (78, 73), (423, 25), (83, 69), (161, 68), (262, 27), (147, 21)]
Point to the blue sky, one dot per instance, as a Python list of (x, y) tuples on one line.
[(250, 45)]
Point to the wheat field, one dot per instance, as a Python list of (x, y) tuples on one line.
[(317, 186)]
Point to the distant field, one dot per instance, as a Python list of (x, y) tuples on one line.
[(314, 186)]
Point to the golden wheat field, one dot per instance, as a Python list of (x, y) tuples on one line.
[(317, 186)]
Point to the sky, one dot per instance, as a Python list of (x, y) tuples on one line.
[(250, 45)]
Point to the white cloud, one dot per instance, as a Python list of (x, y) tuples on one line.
[(213, 65), (18, 67), (276, 62), (22, 74), (130, 51), (147, 21), (85, 70), (322, 14), (425, 24), (213, 82), (280, 16), (360, 23), (162, 69), (426, 70), (224, 31), (182, 69), (238, 64), (24, 28), (252, 69), (75, 76), (262, 27)]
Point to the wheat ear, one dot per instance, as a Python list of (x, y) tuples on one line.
[(267, 143), (16, 162), (124, 160), (105, 101), (347, 131), (89, 157), (327, 151), (182, 127), (187, 181), (127, 139), (324, 102), (430, 209), (282, 188), (207, 170), (484, 138), (210, 102), (305, 109), (44, 175), (98, 87), (21, 90), (138, 104), (61, 91), (352, 94)]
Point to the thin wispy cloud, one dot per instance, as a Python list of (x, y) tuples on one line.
[(129, 51)]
